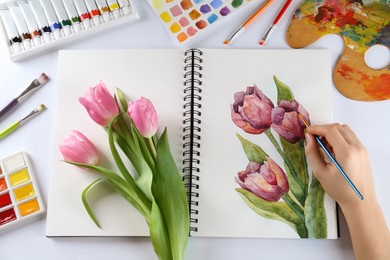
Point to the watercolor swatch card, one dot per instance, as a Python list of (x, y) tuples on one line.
[(184, 19), (171, 79)]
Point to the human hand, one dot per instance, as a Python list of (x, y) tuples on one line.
[(352, 157)]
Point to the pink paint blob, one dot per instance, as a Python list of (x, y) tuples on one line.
[(183, 21), (176, 10), (191, 31)]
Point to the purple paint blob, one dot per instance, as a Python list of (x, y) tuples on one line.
[(224, 11), (204, 9)]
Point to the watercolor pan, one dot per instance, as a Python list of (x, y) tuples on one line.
[(183, 19), (20, 200), (66, 40)]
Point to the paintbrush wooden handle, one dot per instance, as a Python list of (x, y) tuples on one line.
[(8, 107)]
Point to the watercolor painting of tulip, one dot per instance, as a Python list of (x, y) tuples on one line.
[(289, 195), (132, 127)]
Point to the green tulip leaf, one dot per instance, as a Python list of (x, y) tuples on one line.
[(85, 201), (315, 213), (284, 91), (170, 195), (159, 234), (253, 152), (296, 153), (275, 211)]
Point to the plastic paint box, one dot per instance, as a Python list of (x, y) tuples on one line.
[(128, 16), (20, 200)]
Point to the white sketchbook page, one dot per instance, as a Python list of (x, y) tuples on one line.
[(155, 74), (222, 212)]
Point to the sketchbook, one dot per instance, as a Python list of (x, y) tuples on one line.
[(194, 95)]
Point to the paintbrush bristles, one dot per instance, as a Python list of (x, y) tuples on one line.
[(303, 120), (43, 78)]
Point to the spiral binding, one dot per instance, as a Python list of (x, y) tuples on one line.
[(191, 130)]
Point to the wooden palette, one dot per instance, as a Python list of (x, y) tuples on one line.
[(361, 24)]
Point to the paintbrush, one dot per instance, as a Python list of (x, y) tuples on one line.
[(21, 122), (248, 21), (35, 84), (331, 157), (275, 22)]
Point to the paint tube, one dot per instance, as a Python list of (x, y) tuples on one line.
[(93, 11), (83, 13), (72, 14), (31, 23), (125, 7), (114, 8), (11, 30), (21, 25), (52, 18), (41, 20), (104, 10), (62, 17)]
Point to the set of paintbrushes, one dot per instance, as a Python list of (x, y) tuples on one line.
[(34, 86)]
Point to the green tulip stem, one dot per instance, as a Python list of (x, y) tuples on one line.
[(293, 198), (297, 208), (286, 160), (152, 147)]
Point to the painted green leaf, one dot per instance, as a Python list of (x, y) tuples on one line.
[(170, 195), (284, 92), (237, 3), (316, 221), (253, 152), (296, 153), (274, 210)]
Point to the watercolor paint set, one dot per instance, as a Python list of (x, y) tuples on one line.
[(31, 27), (20, 199), (184, 19)]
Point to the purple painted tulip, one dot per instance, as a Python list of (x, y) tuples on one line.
[(144, 116), (100, 105), (251, 110), (77, 148), (286, 121), (267, 180)]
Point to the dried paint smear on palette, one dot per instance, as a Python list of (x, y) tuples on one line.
[(20, 199), (185, 18)]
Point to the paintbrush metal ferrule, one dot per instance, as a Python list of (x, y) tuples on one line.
[(34, 85), (267, 34), (32, 114), (234, 35)]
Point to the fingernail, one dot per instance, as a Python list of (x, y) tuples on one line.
[(308, 137)]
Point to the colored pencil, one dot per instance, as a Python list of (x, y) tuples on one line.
[(331, 157), (249, 21), (21, 122), (275, 22)]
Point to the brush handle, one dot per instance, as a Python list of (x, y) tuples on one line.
[(9, 130), (8, 107)]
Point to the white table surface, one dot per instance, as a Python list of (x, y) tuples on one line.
[(371, 121)]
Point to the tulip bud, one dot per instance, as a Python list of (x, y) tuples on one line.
[(251, 110), (267, 180), (286, 121), (144, 116), (76, 147), (100, 105)]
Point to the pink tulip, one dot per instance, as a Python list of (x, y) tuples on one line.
[(286, 121), (267, 180), (251, 110), (77, 148), (144, 116), (100, 105)]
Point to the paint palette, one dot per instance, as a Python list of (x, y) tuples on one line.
[(19, 195), (185, 18), (361, 24)]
